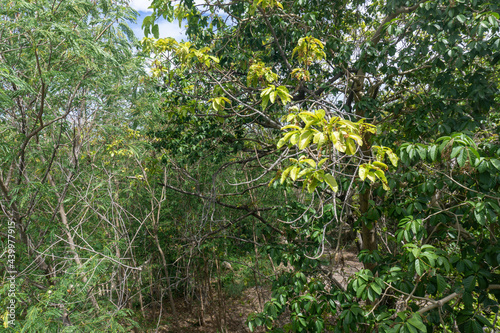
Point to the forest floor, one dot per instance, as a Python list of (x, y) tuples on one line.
[(251, 300)]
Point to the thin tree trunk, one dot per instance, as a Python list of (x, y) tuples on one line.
[(70, 239), (167, 277), (368, 234), (156, 221)]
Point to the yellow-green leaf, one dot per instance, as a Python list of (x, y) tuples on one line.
[(312, 184), (295, 138), (290, 126), (309, 161), (320, 114), (371, 176), (281, 143), (322, 161), (319, 175), (393, 157), (307, 113), (356, 137), (305, 139), (381, 165), (294, 173), (350, 147), (363, 171), (291, 117), (338, 141), (330, 180), (285, 173), (381, 175), (304, 172), (272, 97), (320, 138), (310, 123)]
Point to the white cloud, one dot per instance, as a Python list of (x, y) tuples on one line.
[(165, 28), (171, 29), (141, 5)]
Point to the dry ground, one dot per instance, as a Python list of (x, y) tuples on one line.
[(343, 265)]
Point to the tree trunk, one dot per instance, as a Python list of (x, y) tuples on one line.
[(368, 234)]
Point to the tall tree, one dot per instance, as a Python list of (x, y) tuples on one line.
[(389, 109), (68, 76)]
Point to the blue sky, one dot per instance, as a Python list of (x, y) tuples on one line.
[(167, 29)]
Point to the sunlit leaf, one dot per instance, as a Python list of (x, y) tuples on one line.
[(330, 180)]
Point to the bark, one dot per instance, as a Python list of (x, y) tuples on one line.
[(156, 221), (368, 234), (70, 240)]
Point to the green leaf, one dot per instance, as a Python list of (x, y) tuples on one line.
[(319, 175), (477, 327), (309, 161), (462, 158), (376, 288), (319, 325), (312, 184), (294, 139), (363, 171), (283, 94), (291, 126), (272, 97), (155, 30), (350, 147), (468, 300), (381, 175), (330, 180), (319, 138), (470, 283), (495, 163), (294, 173), (441, 283), (320, 114), (305, 172), (393, 158), (305, 139), (320, 163), (433, 152), (371, 295), (422, 152), (360, 289), (281, 143), (371, 176), (265, 101), (416, 321), (419, 267)]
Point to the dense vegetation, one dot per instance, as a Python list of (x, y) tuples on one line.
[(141, 177)]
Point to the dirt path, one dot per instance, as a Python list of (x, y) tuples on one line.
[(342, 265)]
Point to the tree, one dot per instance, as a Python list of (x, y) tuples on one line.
[(68, 79), (422, 188)]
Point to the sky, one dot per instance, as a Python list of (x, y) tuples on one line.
[(166, 28)]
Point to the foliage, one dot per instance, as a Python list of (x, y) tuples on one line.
[(68, 75), (410, 82), (250, 155)]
